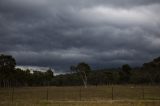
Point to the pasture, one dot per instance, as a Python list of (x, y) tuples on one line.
[(127, 95)]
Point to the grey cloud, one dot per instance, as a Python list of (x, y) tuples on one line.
[(59, 33)]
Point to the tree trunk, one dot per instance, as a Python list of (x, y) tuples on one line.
[(84, 79)]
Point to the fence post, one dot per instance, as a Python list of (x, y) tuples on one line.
[(80, 94), (12, 95), (47, 91), (112, 93), (142, 92), (47, 94)]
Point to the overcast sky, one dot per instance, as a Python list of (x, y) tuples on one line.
[(59, 33)]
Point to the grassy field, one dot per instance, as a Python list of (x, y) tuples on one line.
[(79, 96)]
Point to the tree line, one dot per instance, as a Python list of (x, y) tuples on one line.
[(11, 76), (80, 74)]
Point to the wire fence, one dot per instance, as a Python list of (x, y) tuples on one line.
[(90, 93)]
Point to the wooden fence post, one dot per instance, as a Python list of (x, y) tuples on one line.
[(112, 93), (80, 93), (142, 92), (12, 95), (47, 94), (47, 91)]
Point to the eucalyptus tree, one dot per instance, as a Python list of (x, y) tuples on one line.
[(83, 69), (7, 69), (125, 74)]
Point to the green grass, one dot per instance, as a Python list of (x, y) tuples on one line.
[(77, 96)]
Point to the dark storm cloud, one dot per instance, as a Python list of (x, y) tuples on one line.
[(59, 33)]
